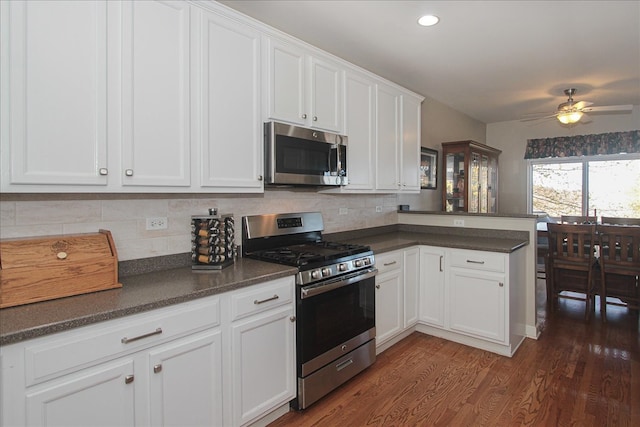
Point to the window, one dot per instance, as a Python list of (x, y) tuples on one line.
[(607, 185)]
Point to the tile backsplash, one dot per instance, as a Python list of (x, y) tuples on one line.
[(25, 215)]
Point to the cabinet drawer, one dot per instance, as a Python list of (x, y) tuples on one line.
[(478, 260), (262, 297), (70, 351), (389, 261)]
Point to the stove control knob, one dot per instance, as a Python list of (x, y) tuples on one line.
[(326, 272), (358, 263), (367, 261), (316, 274), (342, 267)]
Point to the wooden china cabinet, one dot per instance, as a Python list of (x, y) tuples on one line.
[(470, 177)]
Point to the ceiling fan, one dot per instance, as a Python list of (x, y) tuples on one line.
[(571, 112)]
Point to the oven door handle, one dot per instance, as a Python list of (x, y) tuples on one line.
[(317, 289)]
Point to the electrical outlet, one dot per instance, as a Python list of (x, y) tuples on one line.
[(344, 211), (458, 222), (378, 208), (157, 223)]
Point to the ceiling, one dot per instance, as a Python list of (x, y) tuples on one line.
[(492, 60)]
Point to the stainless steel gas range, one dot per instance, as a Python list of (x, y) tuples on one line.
[(335, 298)]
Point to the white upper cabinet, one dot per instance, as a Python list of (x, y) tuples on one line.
[(359, 113), (410, 140), (54, 90), (388, 139), (230, 129), (155, 93), (397, 140), (302, 88)]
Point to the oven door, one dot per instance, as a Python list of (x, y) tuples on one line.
[(334, 318)]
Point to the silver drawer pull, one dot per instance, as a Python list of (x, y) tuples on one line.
[(128, 379), (389, 263), (256, 302), (126, 340), (475, 262), (340, 366), (157, 368)]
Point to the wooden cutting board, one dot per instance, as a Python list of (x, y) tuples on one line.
[(43, 268)]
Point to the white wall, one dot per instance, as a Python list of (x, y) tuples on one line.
[(441, 123), (511, 137)]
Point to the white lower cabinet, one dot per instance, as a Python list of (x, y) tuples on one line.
[(102, 395), (432, 278), (477, 304), (411, 264), (263, 366), (185, 385), (389, 292), (473, 297), (396, 295), (187, 365)]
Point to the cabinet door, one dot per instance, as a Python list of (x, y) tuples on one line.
[(360, 127), (285, 82), (263, 363), (477, 303), (410, 166), (55, 71), (231, 131), (411, 285), (389, 304), (100, 396), (387, 139), (186, 381), (325, 95), (432, 277), (155, 93)]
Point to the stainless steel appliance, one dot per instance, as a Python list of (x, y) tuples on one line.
[(299, 156), (335, 298)]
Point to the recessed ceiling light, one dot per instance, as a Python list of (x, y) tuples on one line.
[(428, 20)]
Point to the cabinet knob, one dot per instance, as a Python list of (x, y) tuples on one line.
[(315, 118), (259, 177), (304, 116), (292, 318), (157, 368), (501, 284), (128, 379), (377, 286), (128, 172), (103, 171)]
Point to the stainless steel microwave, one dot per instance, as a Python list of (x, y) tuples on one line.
[(299, 156)]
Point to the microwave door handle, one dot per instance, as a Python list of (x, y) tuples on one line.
[(338, 169)]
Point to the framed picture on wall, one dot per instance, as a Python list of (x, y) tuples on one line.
[(428, 168)]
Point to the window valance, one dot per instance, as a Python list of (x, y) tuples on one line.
[(584, 145)]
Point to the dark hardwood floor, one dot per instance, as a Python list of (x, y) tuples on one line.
[(576, 373)]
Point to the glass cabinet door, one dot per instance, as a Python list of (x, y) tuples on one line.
[(474, 183), (455, 182), (484, 184)]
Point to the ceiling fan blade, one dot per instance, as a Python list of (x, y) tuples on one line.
[(536, 116), (609, 108), (582, 104), (585, 119)]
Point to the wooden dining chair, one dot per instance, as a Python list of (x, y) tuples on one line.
[(619, 266), (614, 220), (577, 219), (571, 263)]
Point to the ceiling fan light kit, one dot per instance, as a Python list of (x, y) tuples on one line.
[(569, 117), (571, 112)]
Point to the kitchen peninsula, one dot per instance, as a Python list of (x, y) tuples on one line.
[(200, 315)]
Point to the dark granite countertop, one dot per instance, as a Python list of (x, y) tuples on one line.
[(155, 289), (139, 293)]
